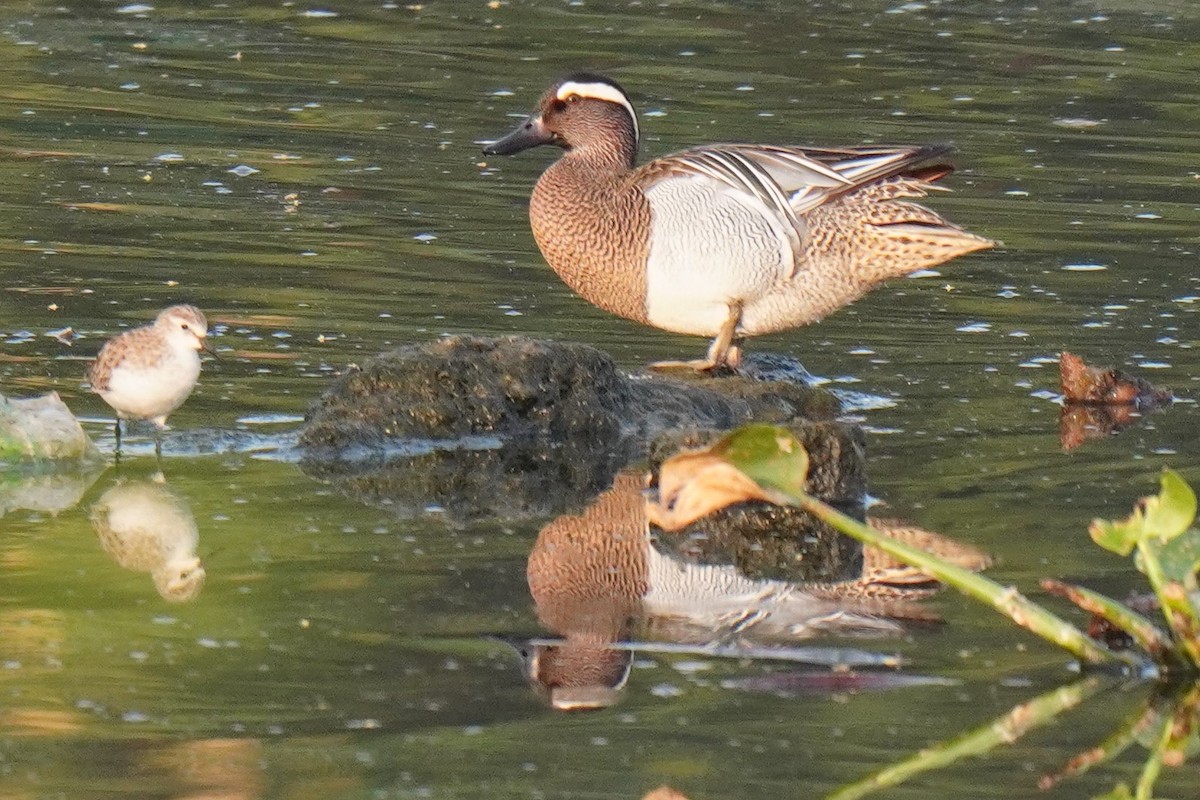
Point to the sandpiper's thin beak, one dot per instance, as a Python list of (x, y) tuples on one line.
[(529, 133), (208, 348)]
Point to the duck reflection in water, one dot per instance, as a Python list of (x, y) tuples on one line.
[(599, 578), (145, 527)]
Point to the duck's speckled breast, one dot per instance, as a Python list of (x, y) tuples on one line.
[(592, 226)]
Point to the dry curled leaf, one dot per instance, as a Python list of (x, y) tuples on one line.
[(694, 485), (1098, 403), (1093, 385)]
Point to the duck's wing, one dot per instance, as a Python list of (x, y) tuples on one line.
[(751, 176), (794, 180), (788, 182), (811, 176)]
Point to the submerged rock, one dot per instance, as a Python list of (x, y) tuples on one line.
[(513, 426), (47, 462), (38, 429)]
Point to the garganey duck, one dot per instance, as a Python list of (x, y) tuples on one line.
[(725, 240)]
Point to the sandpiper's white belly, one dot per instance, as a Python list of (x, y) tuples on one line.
[(710, 247), (153, 392)]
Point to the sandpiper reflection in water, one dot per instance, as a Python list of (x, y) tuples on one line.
[(145, 527)]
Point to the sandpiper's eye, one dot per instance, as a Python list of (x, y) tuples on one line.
[(185, 326)]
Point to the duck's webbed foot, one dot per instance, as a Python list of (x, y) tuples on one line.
[(725, 352)]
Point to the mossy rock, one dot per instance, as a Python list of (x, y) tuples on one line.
[(42, 429), (512, 426), (517, 387)]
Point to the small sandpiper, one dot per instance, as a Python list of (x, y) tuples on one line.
[(147, 372)]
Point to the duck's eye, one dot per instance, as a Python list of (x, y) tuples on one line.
[(573, 98)]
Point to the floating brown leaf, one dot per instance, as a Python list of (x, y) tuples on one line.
[(694, 485), (1098, 403), (1093, 385)]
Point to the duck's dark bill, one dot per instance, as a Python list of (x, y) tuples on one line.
[(529, 133)]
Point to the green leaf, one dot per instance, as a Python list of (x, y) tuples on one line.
[(1180, 558), (1163, 517), (1172, 588), (1170, 513), (769, 454), (1118, 536)]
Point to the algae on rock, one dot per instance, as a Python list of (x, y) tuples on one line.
[(34, 429), (47, 461), (513, 427)]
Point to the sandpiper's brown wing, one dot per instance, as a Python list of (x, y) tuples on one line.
[(137, 345)]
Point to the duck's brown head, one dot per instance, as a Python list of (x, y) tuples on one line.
[(582, 110)]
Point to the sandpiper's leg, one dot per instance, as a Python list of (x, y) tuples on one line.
[(160, 425), (117, 429), (725, 350)]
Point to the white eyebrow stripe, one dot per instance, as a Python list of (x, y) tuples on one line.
[(598, 90)]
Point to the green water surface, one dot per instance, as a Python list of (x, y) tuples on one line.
[(310, 175)]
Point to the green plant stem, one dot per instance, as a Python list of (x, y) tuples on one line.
[(1154, 764), (1142, 630), (1003, 730), (1173, 603), (1113, 746), (1005, 599)]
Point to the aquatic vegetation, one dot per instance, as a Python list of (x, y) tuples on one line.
[(765, 462)]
